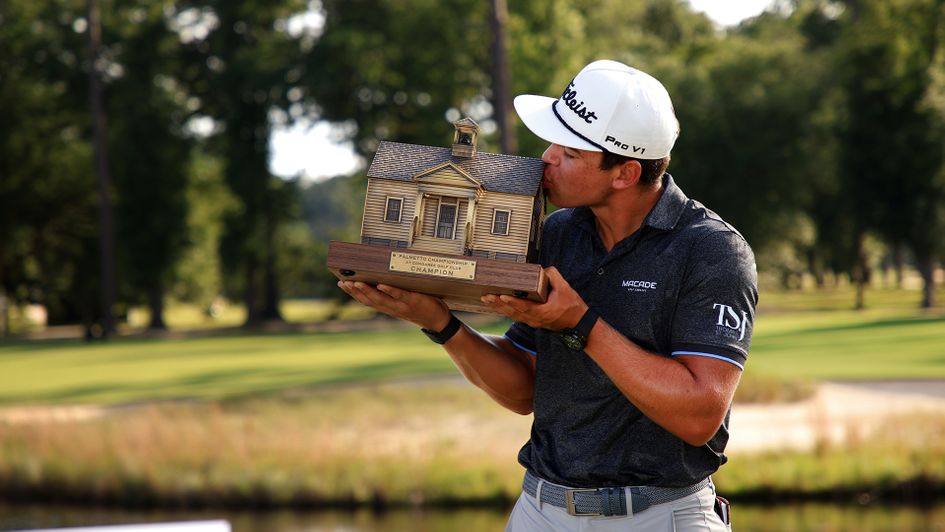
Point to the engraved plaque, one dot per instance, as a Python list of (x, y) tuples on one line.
[(430, 265)]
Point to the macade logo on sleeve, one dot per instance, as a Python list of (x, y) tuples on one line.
[(729, 322)]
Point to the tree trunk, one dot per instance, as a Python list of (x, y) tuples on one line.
[(156, 304), (4, 304), (106, 232), (816, 268), (897, 264), (501, 97), (860, 273), (4, 316), (270, 310), (249, 293), (927, 270)]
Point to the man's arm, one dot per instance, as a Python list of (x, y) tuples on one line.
[(686, 395), (492, 363)]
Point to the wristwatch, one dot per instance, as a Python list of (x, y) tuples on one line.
[(576, 339), (448, 332)]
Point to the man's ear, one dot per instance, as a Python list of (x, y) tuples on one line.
[(629, 175)]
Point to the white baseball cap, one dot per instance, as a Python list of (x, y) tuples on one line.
[(608, 107)]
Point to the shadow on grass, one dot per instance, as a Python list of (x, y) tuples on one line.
[(235, 383), (905, 323)]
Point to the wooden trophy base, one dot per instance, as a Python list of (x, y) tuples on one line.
[(459, 280)]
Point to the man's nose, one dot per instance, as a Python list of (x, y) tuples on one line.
[(552, 154)]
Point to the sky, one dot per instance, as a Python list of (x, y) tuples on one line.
[(306, 149)]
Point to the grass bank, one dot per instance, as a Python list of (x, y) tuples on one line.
[(432, 443)]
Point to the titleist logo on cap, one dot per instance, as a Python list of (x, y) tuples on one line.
[(616, 108), (569, 97)]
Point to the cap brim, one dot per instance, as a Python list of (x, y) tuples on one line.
[(537, 115)]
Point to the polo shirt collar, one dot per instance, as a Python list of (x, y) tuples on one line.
[(669, 207), (664, 215)]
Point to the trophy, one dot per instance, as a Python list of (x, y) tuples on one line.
[(450, 222)]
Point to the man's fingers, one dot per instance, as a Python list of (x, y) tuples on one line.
[(353, 291), (553, 274), (368, 295), (387, 298), (555, 279), (392, 292), (517, 303), (513, 307), (414, 307)]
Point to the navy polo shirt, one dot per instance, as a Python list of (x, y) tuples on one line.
[(684, 283)]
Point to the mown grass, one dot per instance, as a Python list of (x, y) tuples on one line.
[(791, 348), (818, 335), (132, 370)]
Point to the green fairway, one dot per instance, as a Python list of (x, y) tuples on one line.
[(807, 335), (124, 370), (850, 345)]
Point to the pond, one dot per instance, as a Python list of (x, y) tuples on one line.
[(746, 518)]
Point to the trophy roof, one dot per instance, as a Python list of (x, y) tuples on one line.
[(496, 172)]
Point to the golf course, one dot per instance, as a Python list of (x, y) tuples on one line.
[(367, 411)]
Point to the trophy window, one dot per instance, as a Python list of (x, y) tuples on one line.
[(446, 221), (393, 210), (500, 222)]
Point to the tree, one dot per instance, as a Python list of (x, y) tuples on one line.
[(331, 210), (48, 253), (748, 105), (150, 152), (102, 170), (243, 65), (502, 100), (382, 66), (893, 138)]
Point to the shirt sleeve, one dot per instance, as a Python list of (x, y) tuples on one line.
[(523, 336), (716, 308)]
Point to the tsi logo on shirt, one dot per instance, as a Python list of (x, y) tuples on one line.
[(729, 322)]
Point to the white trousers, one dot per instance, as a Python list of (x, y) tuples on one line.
[(692, 513)]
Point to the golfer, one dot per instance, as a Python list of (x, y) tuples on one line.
[(631, 364)]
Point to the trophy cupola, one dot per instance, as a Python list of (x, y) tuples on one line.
[(465, 137)]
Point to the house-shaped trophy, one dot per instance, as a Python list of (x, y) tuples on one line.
[(450, 222)]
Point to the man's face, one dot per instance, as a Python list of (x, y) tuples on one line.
[(573, 177)]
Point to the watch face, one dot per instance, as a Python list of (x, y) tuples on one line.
[(573, 340)]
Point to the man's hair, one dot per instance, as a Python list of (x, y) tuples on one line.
[(653, 169)]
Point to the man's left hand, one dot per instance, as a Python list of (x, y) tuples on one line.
[(562, 310)]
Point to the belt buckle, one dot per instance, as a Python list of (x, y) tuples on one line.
[(569, 501)]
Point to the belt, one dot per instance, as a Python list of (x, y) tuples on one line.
[(605, 501)]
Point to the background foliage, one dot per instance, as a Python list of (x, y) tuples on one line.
[(817, 129)]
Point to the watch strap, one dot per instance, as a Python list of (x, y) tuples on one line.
[(576, 338), (448, 332), (587, 322)]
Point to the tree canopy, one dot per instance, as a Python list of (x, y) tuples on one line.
[(817, 128)]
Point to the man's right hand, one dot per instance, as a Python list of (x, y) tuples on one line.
[(428, 312)]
